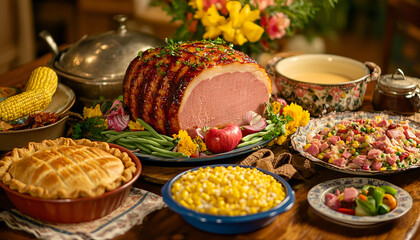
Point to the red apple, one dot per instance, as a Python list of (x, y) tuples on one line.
[(223, 139)]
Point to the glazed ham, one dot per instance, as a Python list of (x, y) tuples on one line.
[(192, 85)]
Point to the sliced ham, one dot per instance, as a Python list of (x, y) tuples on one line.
[(334, 139), (395, 133), (360, 160), (382, 145), (195, 84), (341, 162), (382, 123), (313, 149), (346, 154), (409, 134), (376, 165), (373, 153), (323, 146), (332, 201), (392, 159), (350, 194), (318, 137), (411, 149), (390, 150)]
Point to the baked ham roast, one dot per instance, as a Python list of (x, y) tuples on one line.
[(185, 86)]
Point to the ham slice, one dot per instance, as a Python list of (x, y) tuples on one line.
[(192, 85)]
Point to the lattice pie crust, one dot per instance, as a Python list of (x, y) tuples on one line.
[(66, 168)]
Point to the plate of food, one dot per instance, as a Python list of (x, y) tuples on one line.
[(359, 202), (361, 143), (62, 100)]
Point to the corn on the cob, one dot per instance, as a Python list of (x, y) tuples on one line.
[(36, 97), (43, 78)]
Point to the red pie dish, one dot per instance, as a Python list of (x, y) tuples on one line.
[(74, 210)]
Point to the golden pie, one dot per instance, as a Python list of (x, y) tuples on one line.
[(66, 168)]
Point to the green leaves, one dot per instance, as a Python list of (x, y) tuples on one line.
[(280, 122), (90, 128)]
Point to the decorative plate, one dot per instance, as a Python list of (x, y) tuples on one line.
[(213, 157), (299, 139), (316, 198)]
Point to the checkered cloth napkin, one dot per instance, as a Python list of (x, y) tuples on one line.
[(137, 206)]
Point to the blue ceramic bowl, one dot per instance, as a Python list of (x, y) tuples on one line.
[(229, 224)]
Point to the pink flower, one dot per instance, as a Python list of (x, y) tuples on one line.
[(262, 4), (117, 118), (300, 92), (275, 25), (336, 93)]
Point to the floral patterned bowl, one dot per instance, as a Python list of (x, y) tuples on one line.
[(320, 97)]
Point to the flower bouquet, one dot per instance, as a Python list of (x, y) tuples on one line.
[(252, 26)]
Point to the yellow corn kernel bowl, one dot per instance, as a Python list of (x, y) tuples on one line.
[(228, 198), (62, 100)]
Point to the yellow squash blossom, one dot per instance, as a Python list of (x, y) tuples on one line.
[(92, 112), (240, 27), (135, 126), (185, 144)]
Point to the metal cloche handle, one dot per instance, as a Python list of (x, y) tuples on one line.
[(400, 72)]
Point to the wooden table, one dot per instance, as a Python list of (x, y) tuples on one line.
[(300, 222)]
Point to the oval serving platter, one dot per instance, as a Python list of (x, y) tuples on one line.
[(299, 139), (316, 198), (212, 157)]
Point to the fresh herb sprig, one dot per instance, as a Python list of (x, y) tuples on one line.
[(279, 122)]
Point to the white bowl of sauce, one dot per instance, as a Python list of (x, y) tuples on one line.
[(322, 83)]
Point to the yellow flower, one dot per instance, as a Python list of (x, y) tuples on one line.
[(201, 145), (240, 27), (135, 126), (185, 144), (197, 4), (305, 118), (280, 140), (276, 107), (212, 20), (92, 112)]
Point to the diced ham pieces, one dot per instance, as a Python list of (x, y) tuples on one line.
[(325, 131), (373, 153), (313, 150), (409, 134), (411, 149), (361, 139), (394, 133), (392, 159), (323, 147), (382, 123), (380, 145), (350, 194), (382, 138), (360, 160), (346, 154), (334, 139), (390, 150), (376, 165), (317, 136), (341, 162), (332, 201)]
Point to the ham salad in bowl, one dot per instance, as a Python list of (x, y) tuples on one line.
[(361, 142)]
